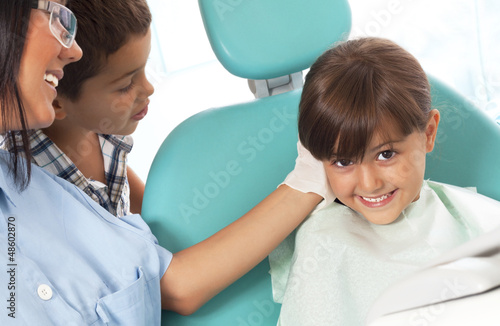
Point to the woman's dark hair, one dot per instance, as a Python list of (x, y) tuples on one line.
[(14, 21), (356, 89)]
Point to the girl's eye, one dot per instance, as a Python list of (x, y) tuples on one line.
[(342, 163), (386, 155)]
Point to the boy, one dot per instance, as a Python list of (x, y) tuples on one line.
[(103, 95)]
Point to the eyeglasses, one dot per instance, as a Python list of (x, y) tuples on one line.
[(62, 21)]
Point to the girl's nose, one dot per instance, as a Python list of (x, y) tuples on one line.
[(369, 179)]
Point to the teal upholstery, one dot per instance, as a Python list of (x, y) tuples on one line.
[(467, 150), (212, 169), (264, 39)]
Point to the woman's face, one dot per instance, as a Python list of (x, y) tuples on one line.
[(41, 67)]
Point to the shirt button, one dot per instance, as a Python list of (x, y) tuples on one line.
[(44, 292)]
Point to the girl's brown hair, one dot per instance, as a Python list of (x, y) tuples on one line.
[(357, 88)]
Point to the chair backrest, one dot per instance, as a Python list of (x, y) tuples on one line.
[(210, 170), (218, 164), (467, 150)]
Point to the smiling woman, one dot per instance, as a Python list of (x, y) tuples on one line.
[(52, 214), (28, 103), (40, 47)]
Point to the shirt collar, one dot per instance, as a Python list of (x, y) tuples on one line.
[(122, 143)]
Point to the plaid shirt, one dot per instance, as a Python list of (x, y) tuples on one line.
[(115, 196)]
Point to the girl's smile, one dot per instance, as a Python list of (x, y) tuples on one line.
[(380, 201)]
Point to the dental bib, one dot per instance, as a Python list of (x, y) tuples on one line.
[(331, 270)]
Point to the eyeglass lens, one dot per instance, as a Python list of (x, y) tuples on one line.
[(63, 25)]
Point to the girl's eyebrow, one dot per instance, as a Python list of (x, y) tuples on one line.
[(389, 142)]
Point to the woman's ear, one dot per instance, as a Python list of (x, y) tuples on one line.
[(431, 129), (58, 105)]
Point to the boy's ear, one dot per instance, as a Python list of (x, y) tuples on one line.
[(58, 105), (431, 129)]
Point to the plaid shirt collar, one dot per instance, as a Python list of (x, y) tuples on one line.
[(115, 195)]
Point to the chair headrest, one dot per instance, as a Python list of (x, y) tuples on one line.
[(264, 39)]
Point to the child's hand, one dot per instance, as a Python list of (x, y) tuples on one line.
[(309, 176)]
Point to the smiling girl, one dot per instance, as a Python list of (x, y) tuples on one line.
[(366, 113)]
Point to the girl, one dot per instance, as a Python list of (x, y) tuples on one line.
[(366, 113), (69, 261)]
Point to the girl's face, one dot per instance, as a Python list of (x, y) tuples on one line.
[(42, 63), (389, 176)]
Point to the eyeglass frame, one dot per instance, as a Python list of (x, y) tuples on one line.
[(49, 6)]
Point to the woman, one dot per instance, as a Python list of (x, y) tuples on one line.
[(69, 262)]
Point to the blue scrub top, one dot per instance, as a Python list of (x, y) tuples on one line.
[(67, 261)]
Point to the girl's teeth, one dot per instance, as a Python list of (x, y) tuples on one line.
[(51, 79), (375, 200)]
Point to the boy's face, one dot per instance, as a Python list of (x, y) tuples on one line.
[(388, 178), (116, 99)]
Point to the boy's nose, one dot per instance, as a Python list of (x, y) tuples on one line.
[(147, 89)]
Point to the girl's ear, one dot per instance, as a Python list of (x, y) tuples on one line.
[(58, 105), (431, 129)]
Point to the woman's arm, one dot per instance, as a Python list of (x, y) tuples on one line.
[(198, 273)]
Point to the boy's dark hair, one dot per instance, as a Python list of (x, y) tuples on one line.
[(356, 89), (14, 21), (104, 26)]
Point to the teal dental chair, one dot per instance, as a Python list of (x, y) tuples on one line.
[(467, 150), (218, 164)]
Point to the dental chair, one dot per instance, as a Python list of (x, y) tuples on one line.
[(219, 163), (467, 150)]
